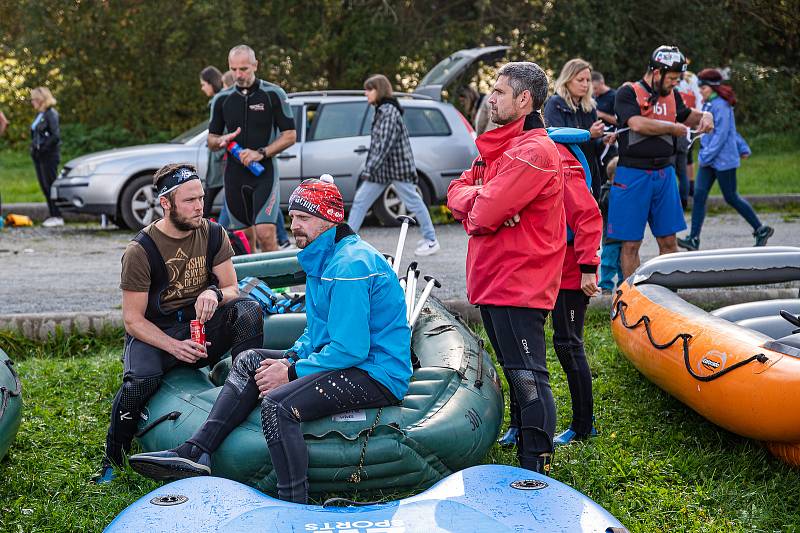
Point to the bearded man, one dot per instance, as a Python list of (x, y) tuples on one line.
[(175, 270)]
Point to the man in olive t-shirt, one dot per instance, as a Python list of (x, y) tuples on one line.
[(175, 270)]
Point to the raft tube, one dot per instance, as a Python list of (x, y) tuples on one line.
[(447, 421), (736, 376), (10, 403), (485, 499)]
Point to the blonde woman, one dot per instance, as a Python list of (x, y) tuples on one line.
[(45, 148), (572, 106)]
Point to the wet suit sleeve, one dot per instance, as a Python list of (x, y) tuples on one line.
[(583, 216), (383, 138), (461, 193), (348, 329), (520, 178), (681, 111), (282, 111), (216, 124)]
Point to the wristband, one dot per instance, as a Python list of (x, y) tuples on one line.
[(217, 292)]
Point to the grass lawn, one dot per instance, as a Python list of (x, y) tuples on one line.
[(774, 168), (656, 465)]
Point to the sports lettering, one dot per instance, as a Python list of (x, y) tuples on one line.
[(358, 526)]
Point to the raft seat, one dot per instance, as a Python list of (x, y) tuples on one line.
[(772, 326)]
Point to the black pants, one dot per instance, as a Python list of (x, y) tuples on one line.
[(46, 165), (568, 317), (208, 201), (283, 409), (517, 334), (237, 325)]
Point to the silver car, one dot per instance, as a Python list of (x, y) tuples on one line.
[(333, 135)]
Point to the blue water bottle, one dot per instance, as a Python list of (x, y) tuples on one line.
[(255, 167)]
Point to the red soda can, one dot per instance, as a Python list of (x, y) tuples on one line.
[(198, 332)]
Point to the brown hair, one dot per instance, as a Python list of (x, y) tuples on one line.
[(166, 170), (212, 76), (713, 79), (380, 83)]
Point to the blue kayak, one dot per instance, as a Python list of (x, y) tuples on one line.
[(486, 498)]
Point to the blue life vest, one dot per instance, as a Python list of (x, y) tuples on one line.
[(572, 137)]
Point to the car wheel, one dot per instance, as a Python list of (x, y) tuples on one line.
[(389, 206), (138, 204)]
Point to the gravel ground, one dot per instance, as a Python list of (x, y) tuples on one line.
[(76, 268)]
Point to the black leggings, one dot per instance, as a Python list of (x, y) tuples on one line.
[(517, 334), (568, 318), (237, 325), (283, 409), (46, 165)]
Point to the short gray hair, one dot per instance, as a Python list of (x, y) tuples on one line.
[(243, 49), (526, 76)]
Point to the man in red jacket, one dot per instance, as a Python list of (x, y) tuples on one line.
[(511, 205)]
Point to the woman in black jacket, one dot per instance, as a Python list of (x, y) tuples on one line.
[(572, 106), (45, 148)]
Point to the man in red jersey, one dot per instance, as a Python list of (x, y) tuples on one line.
[(511, 205)]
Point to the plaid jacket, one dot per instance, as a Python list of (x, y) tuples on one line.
[(390, 157)]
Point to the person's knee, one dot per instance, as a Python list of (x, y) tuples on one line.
[(274, 415), (136, 392), (248, 316), (565, 354), (246, 364)]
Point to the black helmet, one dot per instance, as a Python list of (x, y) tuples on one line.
[(668, 59)]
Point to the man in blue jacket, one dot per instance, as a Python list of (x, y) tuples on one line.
[(354, 353)]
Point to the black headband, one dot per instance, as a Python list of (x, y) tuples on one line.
[(172, 181), (710, 83)]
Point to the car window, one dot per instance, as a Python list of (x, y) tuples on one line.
[(420, 122), (297, 113), (190, 134), (334, 121)]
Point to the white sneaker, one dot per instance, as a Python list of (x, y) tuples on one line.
[(427, 248), (53, 222)]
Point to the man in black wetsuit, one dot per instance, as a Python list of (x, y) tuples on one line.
[(258, 115)]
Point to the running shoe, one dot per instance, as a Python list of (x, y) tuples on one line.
[(427, 248), (509, 439), (187, 460), (53, 222), (106, 474), (570, 436), (763, 234), (690, 243)]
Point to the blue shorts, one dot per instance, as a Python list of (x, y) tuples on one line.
[(639, 197)]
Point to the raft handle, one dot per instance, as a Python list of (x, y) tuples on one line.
[(169, 416), (644, 319), (344, 502), (7, 394), (479, 377)]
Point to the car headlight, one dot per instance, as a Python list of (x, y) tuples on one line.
[(86, 169)]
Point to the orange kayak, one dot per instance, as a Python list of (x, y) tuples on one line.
[(739, 378)]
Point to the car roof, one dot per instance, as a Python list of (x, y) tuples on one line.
[(338, 96)]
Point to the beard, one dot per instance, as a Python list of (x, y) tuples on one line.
[(301, 240), (183, 223)]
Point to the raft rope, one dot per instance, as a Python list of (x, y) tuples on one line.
[(619, 310), (5, 392), (169, 416), (355, 477)]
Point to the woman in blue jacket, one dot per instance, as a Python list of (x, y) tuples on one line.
[(720, 151)]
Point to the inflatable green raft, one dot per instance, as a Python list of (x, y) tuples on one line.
[(447, 421), (10, 403)]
